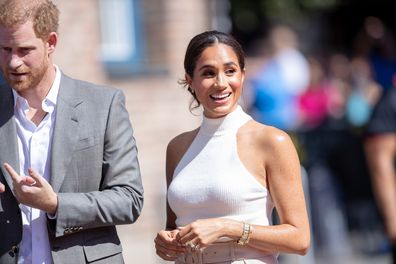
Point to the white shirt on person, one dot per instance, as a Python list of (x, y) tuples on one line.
[(34, 148)]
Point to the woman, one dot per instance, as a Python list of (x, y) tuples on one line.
[(225, 177)]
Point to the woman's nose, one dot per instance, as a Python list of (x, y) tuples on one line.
[(220, 80)]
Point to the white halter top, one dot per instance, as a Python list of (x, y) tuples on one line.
[(211, 181)]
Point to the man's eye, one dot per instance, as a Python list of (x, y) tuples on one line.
[(5, 49), (25, 50)]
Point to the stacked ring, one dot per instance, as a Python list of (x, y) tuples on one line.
[(192, 245)]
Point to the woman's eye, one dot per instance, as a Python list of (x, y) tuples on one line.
[(230, 71), (208, 73)]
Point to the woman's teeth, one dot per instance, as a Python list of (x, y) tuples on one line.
[(220, 96)]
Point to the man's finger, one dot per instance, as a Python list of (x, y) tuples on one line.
[(2, 188), (34, 177), (14, 175), (29, 181)]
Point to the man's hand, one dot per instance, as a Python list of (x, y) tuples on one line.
[(33, 190)]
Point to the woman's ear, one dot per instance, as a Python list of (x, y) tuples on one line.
[(243, 75), (188, 79)]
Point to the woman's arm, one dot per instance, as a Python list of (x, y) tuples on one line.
[(283, 176), (166, 244)]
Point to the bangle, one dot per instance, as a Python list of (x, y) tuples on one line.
[(244, 239)]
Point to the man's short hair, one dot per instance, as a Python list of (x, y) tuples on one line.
[(43, 13)]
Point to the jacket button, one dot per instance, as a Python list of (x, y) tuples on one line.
[(14, 251)]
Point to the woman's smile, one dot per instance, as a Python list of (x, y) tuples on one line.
[(220, 97)]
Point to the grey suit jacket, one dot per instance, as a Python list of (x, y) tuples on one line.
[(94, 170)]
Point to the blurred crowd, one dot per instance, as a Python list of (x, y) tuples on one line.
[(324, 100)]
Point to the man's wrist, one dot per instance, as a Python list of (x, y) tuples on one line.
[(53, 208)]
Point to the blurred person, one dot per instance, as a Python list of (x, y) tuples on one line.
[(380, 149), (225, 178), (293, 65), (69, 169), (337, 149), (376, 41), (364, 93), (279, 81), (320, 104), (320, 99), (340, 78), (313, 102)]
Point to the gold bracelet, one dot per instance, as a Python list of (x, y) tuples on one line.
[(244, 239)]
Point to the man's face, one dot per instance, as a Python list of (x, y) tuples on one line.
[(24, 58)]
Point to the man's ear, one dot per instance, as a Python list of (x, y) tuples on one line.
[(51, 42)]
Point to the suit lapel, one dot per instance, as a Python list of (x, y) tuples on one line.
[(65, 131), (8, 134)]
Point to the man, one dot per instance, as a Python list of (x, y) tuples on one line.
[(69, 169), (380, 148)]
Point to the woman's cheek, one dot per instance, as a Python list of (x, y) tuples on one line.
[(236, 83)]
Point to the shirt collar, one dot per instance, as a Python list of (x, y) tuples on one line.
[(49, 102)]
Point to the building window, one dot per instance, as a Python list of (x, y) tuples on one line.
[(122, 47)]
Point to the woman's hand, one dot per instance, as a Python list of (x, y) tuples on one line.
[(203, 232), (167, 246)]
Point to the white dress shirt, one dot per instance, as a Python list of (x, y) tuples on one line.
[(34, 146)]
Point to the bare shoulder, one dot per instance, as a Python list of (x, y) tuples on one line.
[(180, 143), (176, 149), (266, 150), (269, 137)]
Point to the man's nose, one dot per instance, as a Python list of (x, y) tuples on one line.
[(15, 61)]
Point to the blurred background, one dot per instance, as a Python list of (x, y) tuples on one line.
[(315, 68)]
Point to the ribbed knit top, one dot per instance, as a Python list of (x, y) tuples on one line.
[(211, 181)]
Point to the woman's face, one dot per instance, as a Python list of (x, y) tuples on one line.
[(217, 80)]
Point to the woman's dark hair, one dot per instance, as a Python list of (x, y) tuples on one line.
[(206, 39), (199, 43)]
